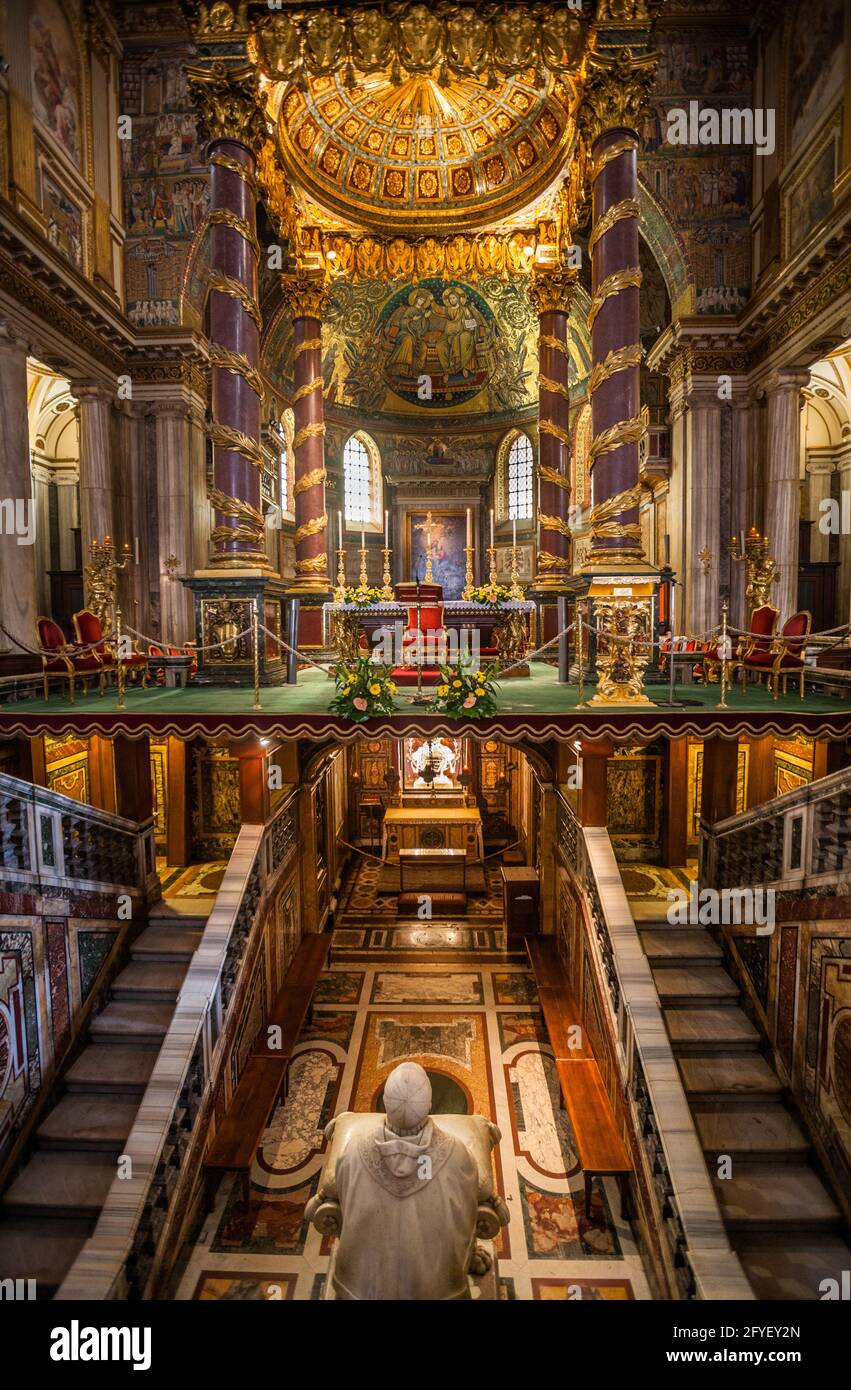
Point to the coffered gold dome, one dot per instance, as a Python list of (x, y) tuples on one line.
[(423, 155)]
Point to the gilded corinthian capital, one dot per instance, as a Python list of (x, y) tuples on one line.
[(616, 92), (305, 297), (228, 102), (551, 291)]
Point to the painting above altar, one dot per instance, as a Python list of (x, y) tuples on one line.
[(448, 561), (432, 764)]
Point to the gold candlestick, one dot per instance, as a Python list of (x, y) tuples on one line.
[(429, 577), (760, 566), (340, 591), (120, 673), (516, 591), (362, 552), (387, 590), (468, 574), (491, 564)]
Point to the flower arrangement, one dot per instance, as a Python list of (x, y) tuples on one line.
[(491, 594), (466, 693), (363, 596), (363, 690)]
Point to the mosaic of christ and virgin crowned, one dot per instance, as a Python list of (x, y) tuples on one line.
[(437, 344)]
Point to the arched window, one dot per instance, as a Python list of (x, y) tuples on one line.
[(362, 482), (518, 479)]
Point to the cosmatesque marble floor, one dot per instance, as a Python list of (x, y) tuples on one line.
[(480, 1030)]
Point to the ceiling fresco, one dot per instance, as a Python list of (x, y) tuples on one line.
[(426, 155)]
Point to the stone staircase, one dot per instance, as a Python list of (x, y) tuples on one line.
[(51, 1207), (781, 1219)]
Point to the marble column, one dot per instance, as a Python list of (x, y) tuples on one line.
[(234, 123), (17, 562), (782, 490), (308, 302), (843, 576), (819, 471), (97, 518), (174, 516), (739, 517), (616, 350), (703, 516), (550, 292)]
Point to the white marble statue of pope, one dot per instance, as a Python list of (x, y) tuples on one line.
[(409, 1195)]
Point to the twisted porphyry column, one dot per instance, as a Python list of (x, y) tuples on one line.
[(234, 124), (615, 93), (550, 292), (307, 300)]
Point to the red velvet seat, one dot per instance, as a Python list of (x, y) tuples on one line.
[(60, 658), (89, 630), (785, 656), (759, 639)]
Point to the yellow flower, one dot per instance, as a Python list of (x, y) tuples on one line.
[(391, 686), (456, 685), (375, 689), (479, 694), (443, 690)]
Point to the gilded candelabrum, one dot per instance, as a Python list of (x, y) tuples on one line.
[(362, 553), (515, 589), (102, 579), (492, 564), (468, 573), (386, 582), (340, 591), (760, 566)]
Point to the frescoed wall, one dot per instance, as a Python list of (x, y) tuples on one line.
[(166, 184), (704, 190), (55, 75)]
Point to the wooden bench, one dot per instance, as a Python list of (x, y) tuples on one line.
[(264, 1077), (599, 1146)]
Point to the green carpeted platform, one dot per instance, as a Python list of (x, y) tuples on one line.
[(539, 694)]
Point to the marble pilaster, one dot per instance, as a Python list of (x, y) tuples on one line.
[(96, 501), (174, 512), (17, 562), (782, 483)]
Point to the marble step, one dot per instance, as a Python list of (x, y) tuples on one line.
[(149, 979), (33, 1247), (166, 943), (792, 1266), (756, 1132), (776, 1197), (709, 1030), (730, 1079), (181, 912), (104, 1070), (687, 983), (687, 944), (124, 1018), (61, 1184), (96, 1123)]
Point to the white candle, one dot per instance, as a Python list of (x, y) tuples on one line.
[(340, 529), (362, 541), (514, 530), (469, 529), (491, 527), (386, 530)]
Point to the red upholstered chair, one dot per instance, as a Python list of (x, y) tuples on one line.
[(759, 643), (60, 658), (786, 655), (89, 630)]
